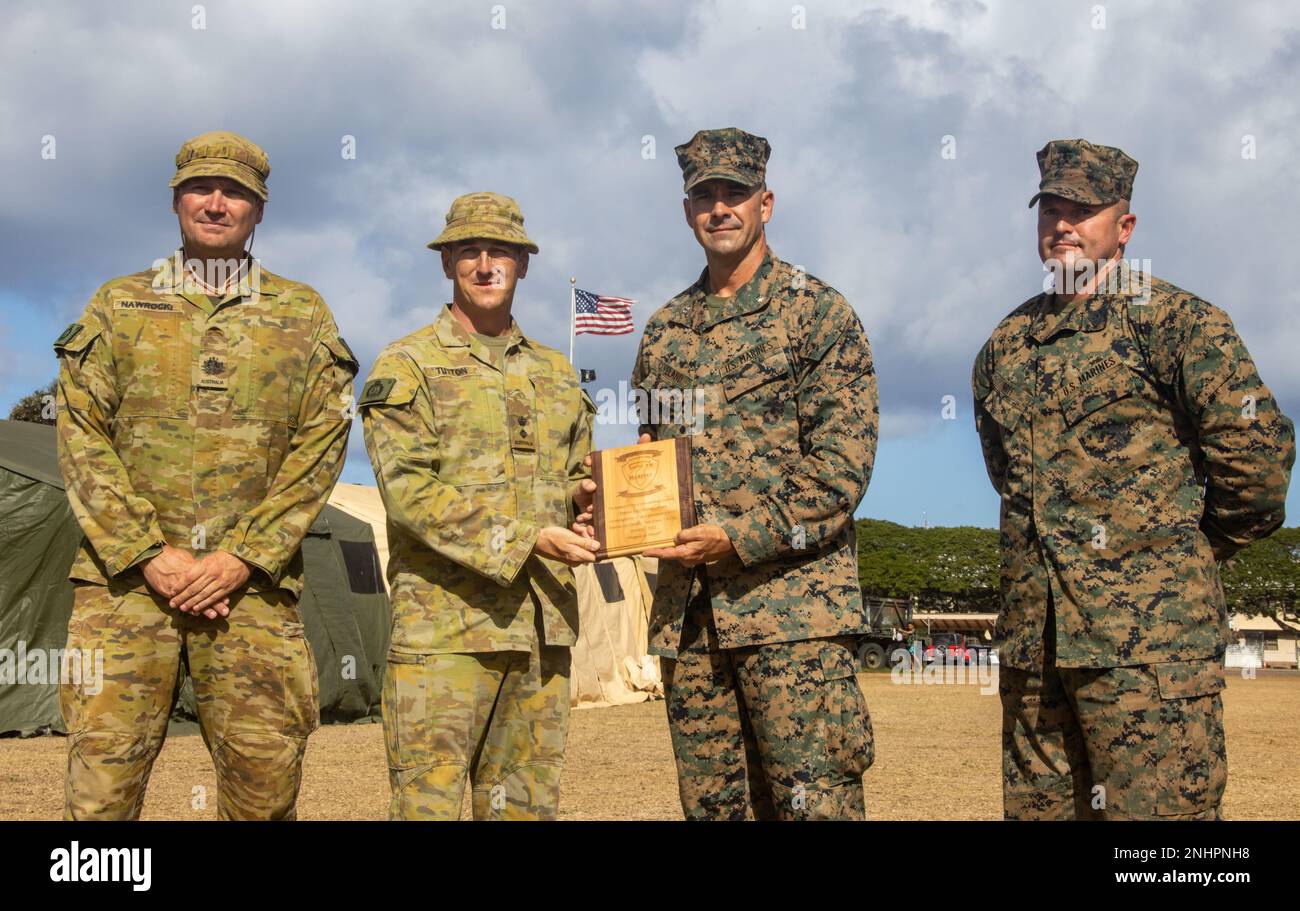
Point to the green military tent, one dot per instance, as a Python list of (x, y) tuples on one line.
[(344, 604)]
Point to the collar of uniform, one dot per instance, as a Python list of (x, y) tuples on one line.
[(1089, 314), (169, 278), (451, 334), (751, 296)]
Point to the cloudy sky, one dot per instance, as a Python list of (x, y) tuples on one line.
[(573, 108)]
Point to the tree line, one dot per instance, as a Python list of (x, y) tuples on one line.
[(956, 570)]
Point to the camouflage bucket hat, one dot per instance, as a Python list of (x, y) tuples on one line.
[(487, 216), (1078, 170), (222, 154), (730, 154)]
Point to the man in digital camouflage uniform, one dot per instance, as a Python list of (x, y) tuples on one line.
[(1134, 447), (202, 422), (477, 435), (757, 607)]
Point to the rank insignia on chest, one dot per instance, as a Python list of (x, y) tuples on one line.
[(214, 367), (519, 415)]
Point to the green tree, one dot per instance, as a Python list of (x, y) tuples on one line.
[(956, 569), (947, 569), (1264, 579), (37, 407)]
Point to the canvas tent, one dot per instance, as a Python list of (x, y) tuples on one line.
[(610, 664), (344, 604)]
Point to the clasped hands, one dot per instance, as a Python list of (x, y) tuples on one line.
[(201, 587)]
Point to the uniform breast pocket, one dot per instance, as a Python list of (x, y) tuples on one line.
[(469, 416), (762, 393), (272, 363), (154, 348), (555, 405), (1114, 425)]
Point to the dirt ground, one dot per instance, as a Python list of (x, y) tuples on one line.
[(937, 757)]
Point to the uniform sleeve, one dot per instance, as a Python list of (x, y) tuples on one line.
[(580, 444), (1247, 446), (990, 433), (120, 525), (639, 378), (838, 423), (403, 444), (271, 533)]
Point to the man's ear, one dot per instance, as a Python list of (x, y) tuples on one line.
[(176, 200), (446, 263), (261, 208), (686, 210), (521, 269), (767, 203), (1127, 222)]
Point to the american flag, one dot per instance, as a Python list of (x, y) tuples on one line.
[(598, 315)]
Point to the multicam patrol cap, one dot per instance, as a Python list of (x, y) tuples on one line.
[(1078, 170), (729, 153), (486, 216), (222, 154)]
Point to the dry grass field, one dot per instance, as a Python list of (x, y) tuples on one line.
[(937, 757)]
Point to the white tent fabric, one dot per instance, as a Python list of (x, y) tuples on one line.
[(610, 664), (365, 504), (610, 661)]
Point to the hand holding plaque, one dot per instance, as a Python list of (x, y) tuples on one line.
[(644, 496)]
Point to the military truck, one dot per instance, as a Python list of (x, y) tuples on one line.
[(891, 629)]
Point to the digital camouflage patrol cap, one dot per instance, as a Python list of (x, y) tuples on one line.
[(486, 216), (1078, 170), (730, 154), (222, 154)]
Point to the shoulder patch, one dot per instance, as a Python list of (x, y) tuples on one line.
[(376, 392), (341, 351), (69, 334)]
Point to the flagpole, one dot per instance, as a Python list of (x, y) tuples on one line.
[(573, 315)]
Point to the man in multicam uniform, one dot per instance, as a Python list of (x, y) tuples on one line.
[(1134, 447), (757, 607), (202, 422), (477, 435)]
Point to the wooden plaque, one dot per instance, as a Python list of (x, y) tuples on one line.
[(644, 496)]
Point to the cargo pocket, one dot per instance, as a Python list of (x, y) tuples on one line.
[(301, 690), (406, 711), (850, 746), (72, 693), (1192, 768)]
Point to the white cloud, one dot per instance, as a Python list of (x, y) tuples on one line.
[(552, 110)]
